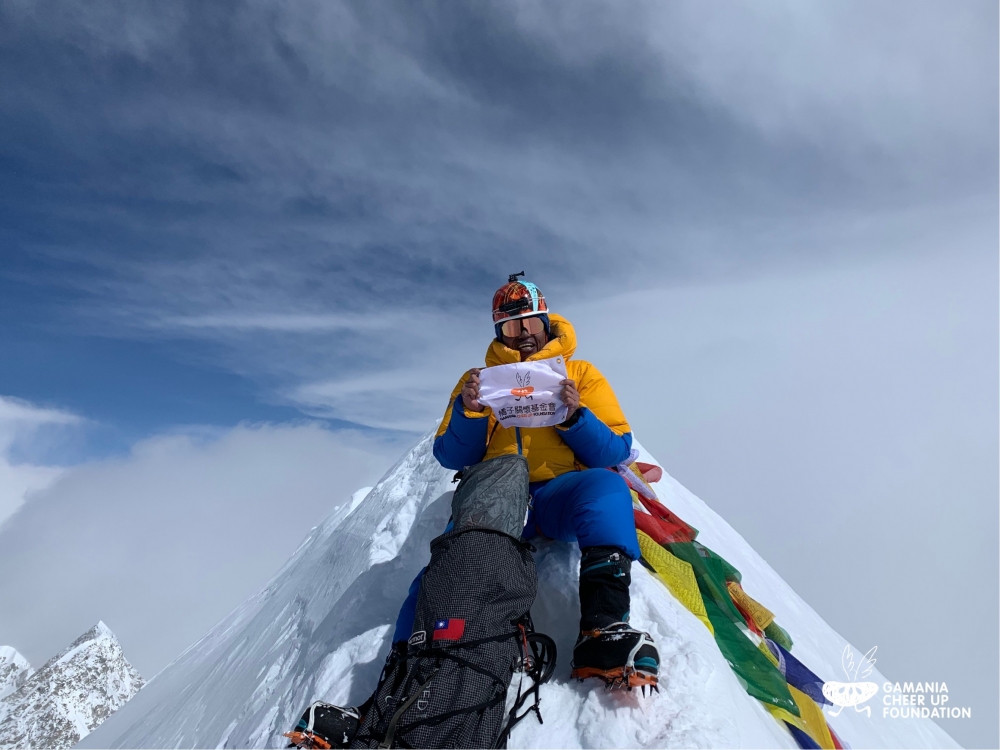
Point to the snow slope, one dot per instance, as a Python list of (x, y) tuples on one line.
[(71, 695), (321, 629)]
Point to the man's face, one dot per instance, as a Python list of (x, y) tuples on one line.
[(526, 343)]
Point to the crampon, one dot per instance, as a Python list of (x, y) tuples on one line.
[(624, 658), (325, 726), (619, 679), (306, 740)]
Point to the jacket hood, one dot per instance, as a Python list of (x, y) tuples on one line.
[(562, 342)]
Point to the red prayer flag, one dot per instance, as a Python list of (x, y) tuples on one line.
[(650, 472)]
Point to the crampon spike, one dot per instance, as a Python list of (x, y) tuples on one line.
[(618, 678), (306, 740)]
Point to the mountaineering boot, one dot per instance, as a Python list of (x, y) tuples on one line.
[(605, 575), (608, 647), (324, 725), (618, 654)]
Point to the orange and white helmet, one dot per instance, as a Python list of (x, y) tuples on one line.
[(517, 299)]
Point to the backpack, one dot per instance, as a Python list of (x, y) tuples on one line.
[(472, 630)]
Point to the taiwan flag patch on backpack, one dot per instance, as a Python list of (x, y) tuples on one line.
[(449, 630)]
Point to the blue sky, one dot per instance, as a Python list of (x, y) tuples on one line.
[(220, 224), (185, 226)]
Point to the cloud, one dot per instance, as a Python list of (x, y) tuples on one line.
[(350, 172), (283, 323), (379, 150), (848, 415), (17, 416), (394, 400), (22, 423), (163, 543), (824, 77), (17, 482)]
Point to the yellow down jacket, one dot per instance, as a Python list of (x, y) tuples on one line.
[(548, 456)]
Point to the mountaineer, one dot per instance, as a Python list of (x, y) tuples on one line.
[(574, 497)]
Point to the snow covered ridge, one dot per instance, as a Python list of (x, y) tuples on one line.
[(321, 628), (14, 670), (70, 696)]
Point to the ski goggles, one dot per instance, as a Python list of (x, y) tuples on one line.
[(512, 328)]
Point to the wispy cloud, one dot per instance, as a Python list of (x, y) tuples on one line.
[(282, 323), (18, 416), (21, 422), (349, 173), (396, 399)]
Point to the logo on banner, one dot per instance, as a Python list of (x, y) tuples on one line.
[(525, 394), (524, 388)]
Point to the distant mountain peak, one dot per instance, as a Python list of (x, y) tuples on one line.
[(14, 670), (70, 696)]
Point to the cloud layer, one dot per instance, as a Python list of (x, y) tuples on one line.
[(165, 542), (288, 183)]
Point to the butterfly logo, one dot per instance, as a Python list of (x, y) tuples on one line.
[(844, 694)]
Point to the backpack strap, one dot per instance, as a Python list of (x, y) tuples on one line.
[(390, 731), (539, 664)]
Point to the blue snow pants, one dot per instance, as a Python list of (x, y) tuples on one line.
[(592, 507)]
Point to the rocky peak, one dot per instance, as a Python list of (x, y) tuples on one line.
[(14, 670), (71, 695)]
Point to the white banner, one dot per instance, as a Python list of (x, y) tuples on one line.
[(525, 394)]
